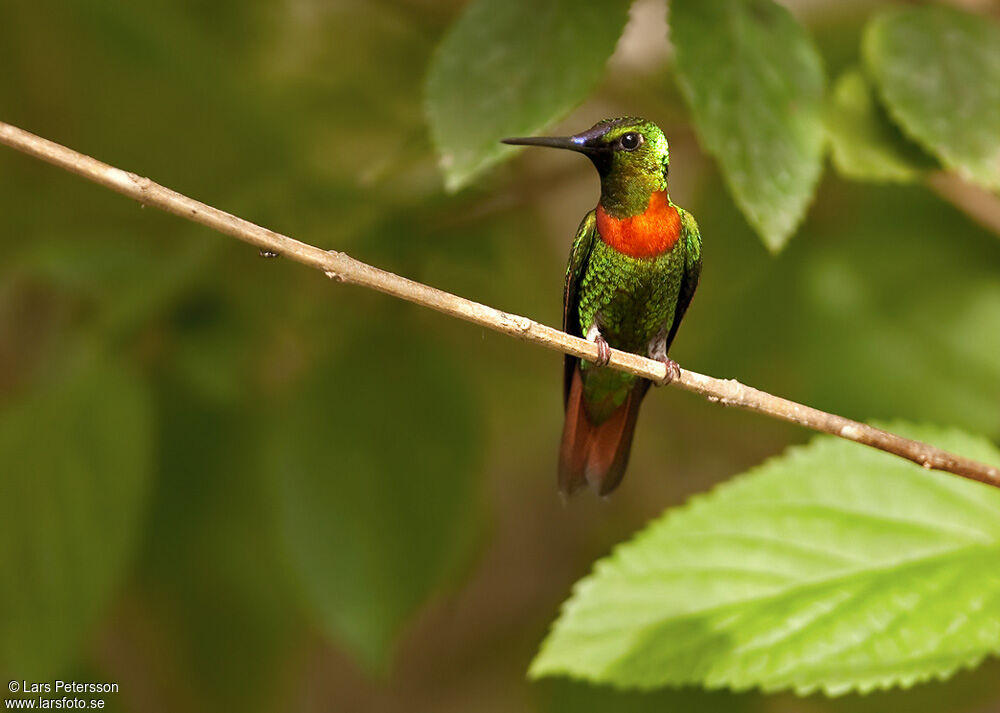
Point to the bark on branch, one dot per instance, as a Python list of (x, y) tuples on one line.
[(344, 268)]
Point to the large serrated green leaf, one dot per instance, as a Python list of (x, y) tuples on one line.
[(833, 567), (864, 144), (938, 70), (75, 463), (374, 461), (511, 68), (754, 81)]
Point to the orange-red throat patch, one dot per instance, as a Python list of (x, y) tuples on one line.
[(648, 234)]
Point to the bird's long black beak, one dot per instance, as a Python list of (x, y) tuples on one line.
[(581, 143)]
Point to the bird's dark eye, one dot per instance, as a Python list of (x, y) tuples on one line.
[(630, 141)]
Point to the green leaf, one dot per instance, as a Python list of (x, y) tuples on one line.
[(865, 144), (754, 82), (510, 68), (938, 71), (833, 567), (212, 562), (374, 461), (76, 460)]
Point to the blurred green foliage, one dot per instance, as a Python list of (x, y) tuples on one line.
[(754, 81), (77, 457), (864, 144), (207, 459), (373, 539), (506, 69), (938, 70)]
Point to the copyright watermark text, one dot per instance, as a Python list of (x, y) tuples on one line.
[(58, 694)]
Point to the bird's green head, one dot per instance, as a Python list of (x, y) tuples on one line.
[(630, 154)]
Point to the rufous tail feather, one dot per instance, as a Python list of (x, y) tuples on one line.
[(596, 454)]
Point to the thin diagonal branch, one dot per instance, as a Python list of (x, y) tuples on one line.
[(344, 268), (979, 204)]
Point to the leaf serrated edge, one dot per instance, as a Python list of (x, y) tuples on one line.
[(540, 668)]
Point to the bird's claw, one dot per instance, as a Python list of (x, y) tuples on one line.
[(673, 371), (603, 351)]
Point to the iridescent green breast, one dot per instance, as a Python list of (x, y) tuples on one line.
[(632, 298)]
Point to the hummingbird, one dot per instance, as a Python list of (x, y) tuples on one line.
[(633, 269)]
